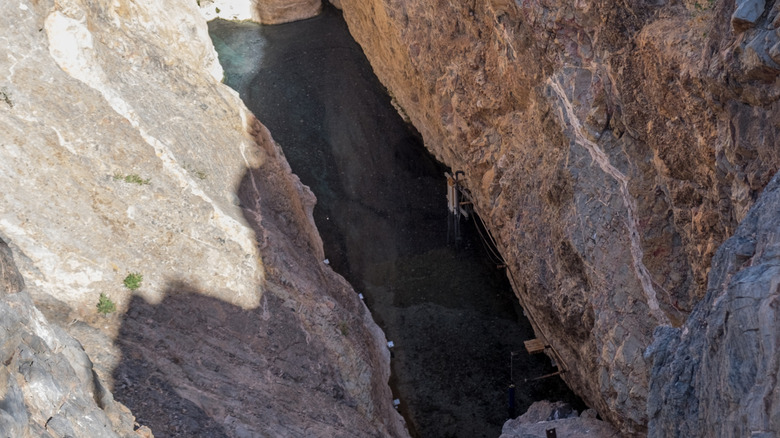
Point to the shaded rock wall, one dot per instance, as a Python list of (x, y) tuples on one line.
[(717, 374), (610, 146), (121, 152)]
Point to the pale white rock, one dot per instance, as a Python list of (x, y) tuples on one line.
[(261, 11), (238, 10), (120, 152)]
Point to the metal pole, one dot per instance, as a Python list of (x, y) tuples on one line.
[(511, 401), (512, 366), (557, 373)]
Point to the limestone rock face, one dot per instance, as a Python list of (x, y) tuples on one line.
[(239, 10), (611, 147), (120, 152), (261, 11), (47, 382), (283, 11), (718, 374)]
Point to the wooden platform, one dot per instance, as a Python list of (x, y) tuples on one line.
[(534, 346)]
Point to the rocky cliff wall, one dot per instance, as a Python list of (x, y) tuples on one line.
[(717, 374), (122, 153), (611, 147), (48, 384)]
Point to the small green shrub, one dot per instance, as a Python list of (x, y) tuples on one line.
[(105, 305), (135, 179), (201, 174), (133, 280), (195, 171), (132, 179)]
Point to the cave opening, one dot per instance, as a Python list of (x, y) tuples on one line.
[(382, 214)]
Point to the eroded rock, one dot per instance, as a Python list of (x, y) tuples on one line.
[(717, 375), (283, 11), (543, 416), (747, 14), (261, 11), (47, 382), (123, 153), (610, 147)]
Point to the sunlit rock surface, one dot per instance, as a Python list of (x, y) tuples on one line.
[(283, 11), (610, 146), (261, 11), (47, 383), (120, 152)]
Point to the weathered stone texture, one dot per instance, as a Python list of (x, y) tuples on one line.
[(283, 11), (543, 416), (717, 374), (47, 383), (121, 152), (610, 146), (261, 11)]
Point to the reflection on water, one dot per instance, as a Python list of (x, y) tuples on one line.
[(382, 214)]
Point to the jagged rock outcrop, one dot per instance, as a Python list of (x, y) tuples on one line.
[(122, 153), (610, 146), (261, 11), (543, 416), (717, 375), (47, 383)]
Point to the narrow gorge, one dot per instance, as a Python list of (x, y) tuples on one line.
[(381, 211), (622, 154)]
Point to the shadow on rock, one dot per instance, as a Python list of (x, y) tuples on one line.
[(198, 366)]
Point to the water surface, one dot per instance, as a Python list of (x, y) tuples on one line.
[(383, 218)]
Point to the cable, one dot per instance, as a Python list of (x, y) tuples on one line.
[(493, 254)]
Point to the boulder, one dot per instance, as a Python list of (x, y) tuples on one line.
[(544, 416)]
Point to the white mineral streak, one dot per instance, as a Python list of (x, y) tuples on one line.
[(600, 158), (70, 44)]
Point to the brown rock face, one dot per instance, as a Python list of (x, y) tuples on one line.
[(284, 11), (610, 146)]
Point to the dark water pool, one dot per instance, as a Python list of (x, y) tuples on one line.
[(382, 214)]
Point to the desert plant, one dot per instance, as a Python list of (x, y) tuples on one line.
[(105, 305), (135, 179), (195, 171), (133, 280), (132, 179)]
